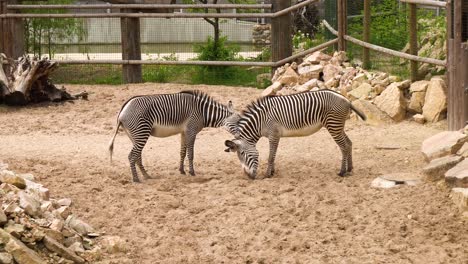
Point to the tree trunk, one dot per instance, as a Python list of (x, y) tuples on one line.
[(28, 81)]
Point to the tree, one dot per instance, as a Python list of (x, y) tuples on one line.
[(40, 31)]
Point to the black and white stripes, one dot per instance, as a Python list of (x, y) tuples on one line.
[(292, 116), (165, 115)]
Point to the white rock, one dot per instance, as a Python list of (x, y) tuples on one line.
[(309, 72), (36, 189), (57, 225), (436, 169), (361, 92), (289, 77), (307, 86), (317, 57), (460, 197), (419, 86), (443, 144), (30, 204), (6, 258), (417, 102), (463, 151), (458, 175), (418, 118), (330, 71), (272, 89), (3, 217), (392, 102), (435, 103), (382, 183), (64, 202), (79, 226)]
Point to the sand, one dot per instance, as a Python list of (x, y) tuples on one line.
[(304, 214)]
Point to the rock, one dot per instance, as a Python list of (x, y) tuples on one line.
[(63, 211), (435, 103), (392, 102), (393, 78), (403, 178), (71, 240), (79, 226), (360, 78), (361, 92), (443, 144), (458, 175), (418, 118), (417, 102), (384, 82), (62, 251), (339, 57), (307, 86), (403, 85), (289, 77), (10, 178), (309, 72), (20, 252), (332, 83), (374, 115), (3, 217), (378, 89), (77, 248), (330, 71), (114, 244), (317, 57), (14, 229), (436, 169), (56, 235), (57, 225), (38, 190), (93, 255), (272, 89), (6, 258), (30, 204), (465, 130), (460, 198), (463, 151), (419, 86)]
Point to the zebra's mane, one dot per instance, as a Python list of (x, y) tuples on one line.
[(254, 105), (203, 96)]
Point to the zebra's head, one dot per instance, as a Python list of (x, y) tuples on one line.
[(231, 122), (247, 154)]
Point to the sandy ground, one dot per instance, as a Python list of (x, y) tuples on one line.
[(305, 214)]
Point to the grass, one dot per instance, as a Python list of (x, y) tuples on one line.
[(112, 74)]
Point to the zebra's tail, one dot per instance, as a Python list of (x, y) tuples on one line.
[(111, 144), (358, 112)]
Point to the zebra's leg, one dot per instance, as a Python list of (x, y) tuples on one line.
[(338, 134), (139, 163), (139, 142), (350, 153), (190, 143), (183, 153), (274, 142)]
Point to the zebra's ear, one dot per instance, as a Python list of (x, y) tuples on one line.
[(230, 107), (232, 147)]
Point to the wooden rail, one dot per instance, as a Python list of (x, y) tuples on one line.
[(395, 53), (143, 6), (140, 15), (426, 2)]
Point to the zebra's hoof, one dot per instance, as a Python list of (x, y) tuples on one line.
[(182, 172), (192, 173), (342, 174), (136, 181)]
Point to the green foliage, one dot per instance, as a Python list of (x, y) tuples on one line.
[(304, 41), (43, 31), (160, 73)]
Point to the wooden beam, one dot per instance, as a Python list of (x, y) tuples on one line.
[(143, 6), (341, 25), (131, 48), (413, 30), (281, 32), (366, 34), (426, 2)]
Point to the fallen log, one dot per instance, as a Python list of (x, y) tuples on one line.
[(27, 81)]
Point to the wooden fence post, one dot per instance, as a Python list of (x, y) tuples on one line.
[(131, 49), (366, 34), (342, 17), (11, 33), (413, 28), (281, 32)]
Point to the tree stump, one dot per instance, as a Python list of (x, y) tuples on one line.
[(27, 81)]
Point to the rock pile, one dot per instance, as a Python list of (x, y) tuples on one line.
[(261, 34), (35, 228), (380, 96), (446, 154)]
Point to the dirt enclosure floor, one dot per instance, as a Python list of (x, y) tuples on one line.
[(304, 214)]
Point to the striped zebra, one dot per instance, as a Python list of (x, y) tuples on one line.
[(291, 116), (164, 115)]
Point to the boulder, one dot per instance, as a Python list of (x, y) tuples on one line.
[(54, 246), (418, 118), (435, 103), (403, 85), (419, 86), (332, 83), (460, 197), (392, 102), (307, 86), (3, 217), (458, 175), (11, 178), (272, 89), (360, 78), (6, 258), (37, 190), (330, 71), (361, 92), (443, 144), (385, 82), (436, 169), (289, 77), (374, 115), (20, 252), (30, 204), (317, 57), (79, 226), (417, 102), (309, 72), (463, 151)]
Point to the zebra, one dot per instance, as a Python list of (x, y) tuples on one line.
[(291, 116), (164, 115)]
